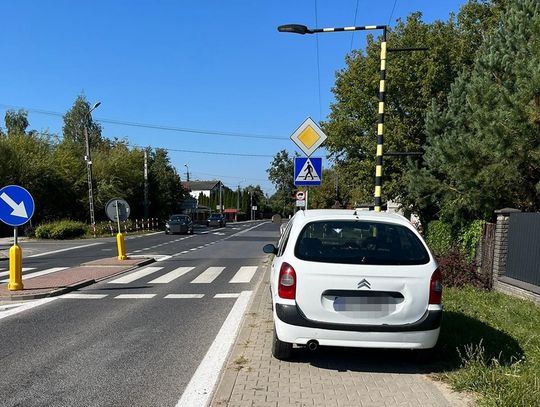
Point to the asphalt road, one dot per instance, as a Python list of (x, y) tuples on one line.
[(125, 341)]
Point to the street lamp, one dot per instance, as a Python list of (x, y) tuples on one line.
[(302, 29), (187, 173), (88, 160)]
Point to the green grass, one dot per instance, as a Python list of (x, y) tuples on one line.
[(490, 344)]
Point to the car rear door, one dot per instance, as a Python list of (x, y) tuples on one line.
[(342, 276)]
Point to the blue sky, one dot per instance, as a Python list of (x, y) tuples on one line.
[(210, 65)]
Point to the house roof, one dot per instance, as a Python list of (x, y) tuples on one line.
[(201, 185)]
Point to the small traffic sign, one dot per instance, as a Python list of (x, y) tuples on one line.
[(300, 195), (123, 210), (300, 203), (16, 205), (308, 137), (307, 171)]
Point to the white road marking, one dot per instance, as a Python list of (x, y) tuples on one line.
[(201, 386), (82, 296), (167, 278), (26, 306), (136, 275), (6, 273), (208, 276), (180, 296), (133, 296), (163, 258), (37, 273), (227, 295), (65, 250), (244, 275)]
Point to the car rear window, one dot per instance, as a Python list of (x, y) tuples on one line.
[(360, 242)]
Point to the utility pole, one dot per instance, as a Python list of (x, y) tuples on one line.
[(146, 213), (88, 160), (250, 205), (237, 204), (220, 197)]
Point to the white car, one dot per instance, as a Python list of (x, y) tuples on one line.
[(353, 278)]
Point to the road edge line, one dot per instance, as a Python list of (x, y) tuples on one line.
[(201, 387), (223, 389)]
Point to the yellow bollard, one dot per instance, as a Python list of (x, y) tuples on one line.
[(15, 268), (121, 246)]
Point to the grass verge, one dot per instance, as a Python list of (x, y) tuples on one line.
[(490, 345)]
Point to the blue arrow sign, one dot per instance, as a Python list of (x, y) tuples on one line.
[(16, 205), (307, 171)]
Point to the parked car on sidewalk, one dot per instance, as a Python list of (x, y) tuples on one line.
[(179, 224), (355, 279), (216, 219)]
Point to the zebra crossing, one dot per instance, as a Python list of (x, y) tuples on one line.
[(208, 276), (242, 275)]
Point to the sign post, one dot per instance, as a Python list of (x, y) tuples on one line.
[(16, 208), (118, 210)]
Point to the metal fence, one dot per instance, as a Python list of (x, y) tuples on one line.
[(523, 261)]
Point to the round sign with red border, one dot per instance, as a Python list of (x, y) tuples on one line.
[(300, 195)]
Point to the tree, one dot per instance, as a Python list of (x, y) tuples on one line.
[(483, 145), (75, 121), (414, 81), (281, 174), (16, 122)]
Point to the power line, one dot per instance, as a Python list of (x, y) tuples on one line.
[(205, 152), (392, 13), (154, 126), (318, 63), (355, 15)]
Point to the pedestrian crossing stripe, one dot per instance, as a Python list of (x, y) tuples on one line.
[(307, 171)]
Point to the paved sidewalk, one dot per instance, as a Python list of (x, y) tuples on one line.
[(327, 377), (60, 282)]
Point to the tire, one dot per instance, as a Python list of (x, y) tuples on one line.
[(166, 232), (281, 350)]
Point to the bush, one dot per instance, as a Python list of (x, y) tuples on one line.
[(458, 271), (62, 229), (439, 237), (469, 238)]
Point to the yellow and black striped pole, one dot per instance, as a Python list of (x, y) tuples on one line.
[(380, 128), (302, 29)]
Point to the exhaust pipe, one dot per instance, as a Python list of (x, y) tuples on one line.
[(312, 345)]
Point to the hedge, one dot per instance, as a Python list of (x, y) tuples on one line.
[(62, 229)]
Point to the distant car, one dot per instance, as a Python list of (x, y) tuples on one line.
[(216, 219), (353, 278), (179, 224)]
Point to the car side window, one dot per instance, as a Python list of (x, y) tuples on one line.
[(284, 239)]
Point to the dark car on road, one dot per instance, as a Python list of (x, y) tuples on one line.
[(216, 219), (179, 224)]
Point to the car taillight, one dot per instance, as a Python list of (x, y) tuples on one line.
[(287, 282), (435, 288)]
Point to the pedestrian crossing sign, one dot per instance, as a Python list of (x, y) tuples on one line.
[(307, 171)]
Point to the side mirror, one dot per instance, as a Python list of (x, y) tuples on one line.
[(270, 249)]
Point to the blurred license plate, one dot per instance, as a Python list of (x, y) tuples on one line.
[(364, 304)]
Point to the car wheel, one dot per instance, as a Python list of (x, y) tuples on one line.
[(280, 350), (166, 232)]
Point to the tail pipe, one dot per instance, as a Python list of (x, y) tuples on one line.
[(312, 345)]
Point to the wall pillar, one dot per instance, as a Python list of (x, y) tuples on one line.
[(500, 251)]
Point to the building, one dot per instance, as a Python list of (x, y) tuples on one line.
[(196, 188)]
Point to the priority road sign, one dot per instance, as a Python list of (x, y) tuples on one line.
[(307, 171), (16, 205), (308, 137)]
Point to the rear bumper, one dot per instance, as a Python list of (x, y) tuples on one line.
[(293, 327)]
